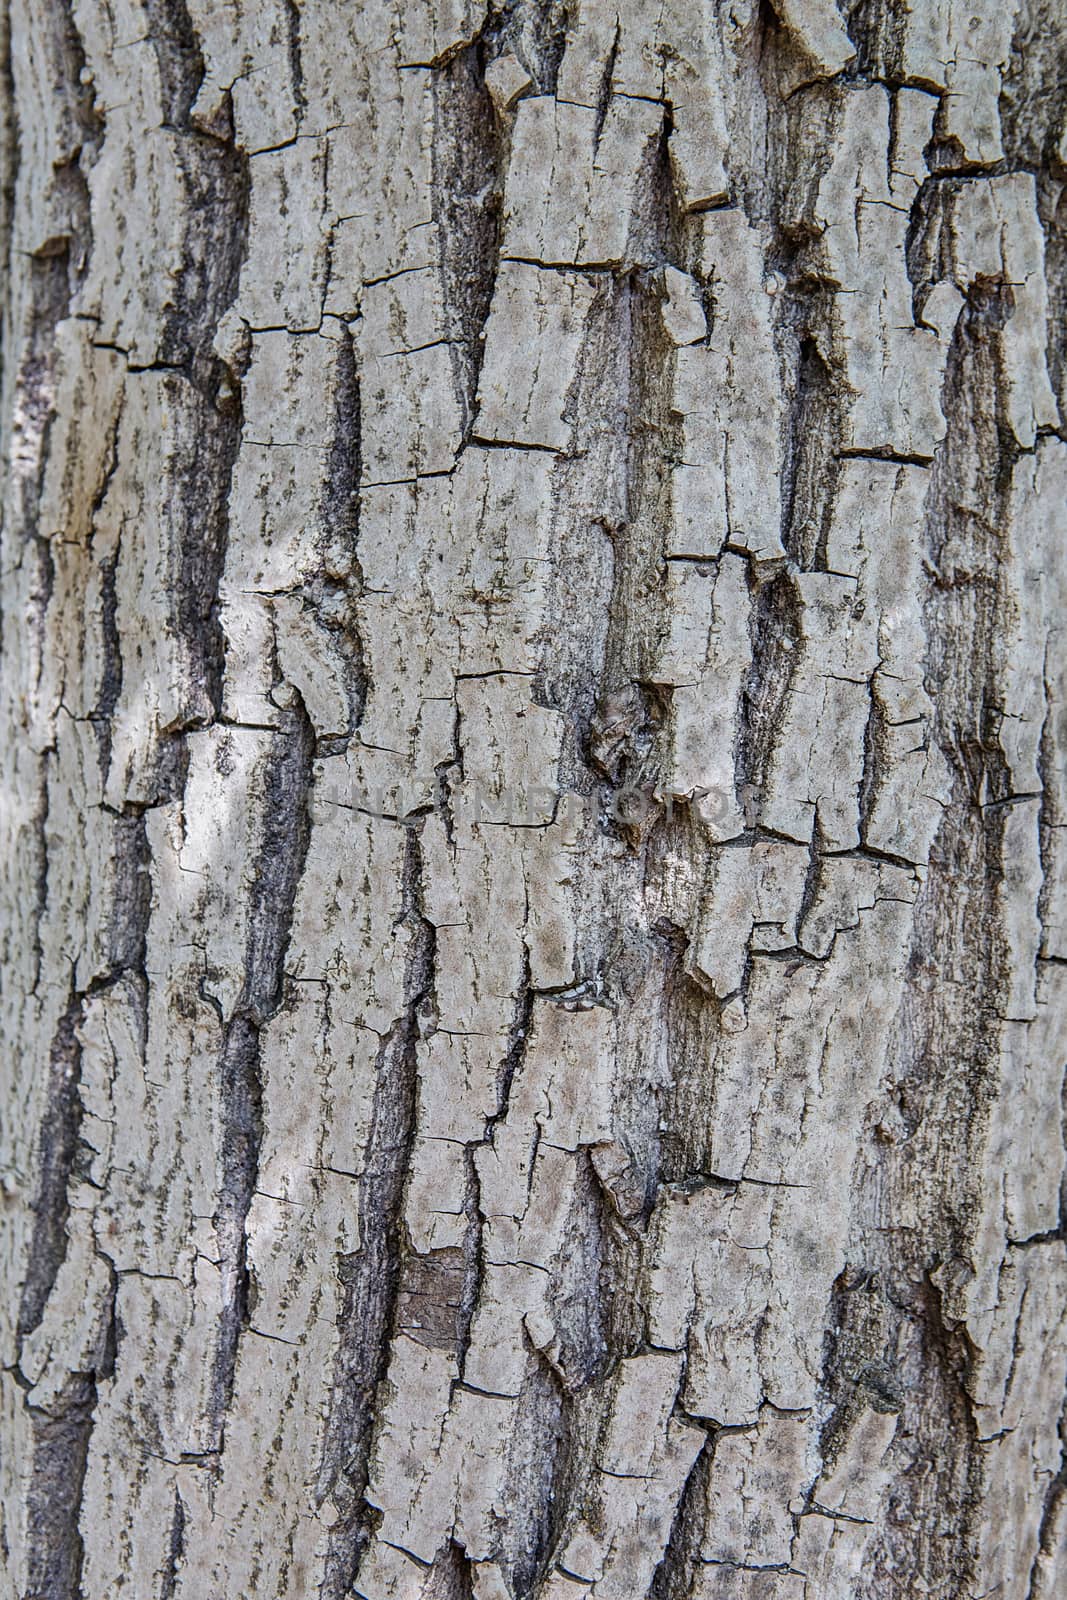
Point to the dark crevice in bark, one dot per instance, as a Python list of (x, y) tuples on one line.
[(604, 93), (449, 1577), (216, 183), (59, 1141), (60, 1438), (60, 1450), (929, 1531), (215, 174), (1044, 1563), (199, 513), (625, 710), (175, 1550), (775, 631), (691, 1026), (1052, 209), (467, 198), (333, 594), (430, 1298), (1033, 114), (515, 1054), (54, 270), (218, 180), (776, 49), (199, 537), (1033, 95), (110, 686), (580, 672), (9, 155), (55, 1162), (943, 1060), (370, 1279), (583, 1354), (296, 65), (876, 735), (177, 50), (287, 828), (39, 847), (540, 36), (878, 29), (967, 596), (132, 903), (606, 604), (810, 465), (675, 1576), (856, 1371), (536, 1474), (240, 1094), (472, 1257)]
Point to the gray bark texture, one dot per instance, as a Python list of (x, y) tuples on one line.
[(533, 711)]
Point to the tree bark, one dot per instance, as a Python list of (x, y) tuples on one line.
[(533, 697)]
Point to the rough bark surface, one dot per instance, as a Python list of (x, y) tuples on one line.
[(533, 711)]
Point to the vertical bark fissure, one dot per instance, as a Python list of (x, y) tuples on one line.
[(175, 1548), (58, 1147), (279, 868), (370, 1278), (60, 1451), (945, 1056), (333, 597), (467, 205)]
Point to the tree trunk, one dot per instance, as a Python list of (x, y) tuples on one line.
[(533, 702)]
